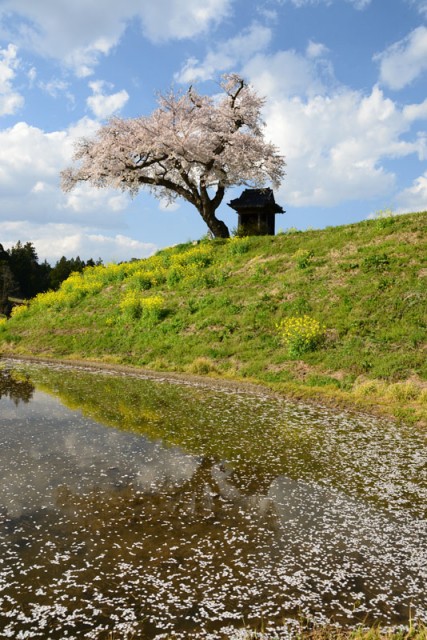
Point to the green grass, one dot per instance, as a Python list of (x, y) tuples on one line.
[(212, 308)]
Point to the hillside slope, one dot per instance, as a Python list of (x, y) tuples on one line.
[(212, 308)]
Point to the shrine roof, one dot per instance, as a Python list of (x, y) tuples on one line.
[(256, 199)]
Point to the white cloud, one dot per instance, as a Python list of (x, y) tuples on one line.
[(335, 140), (84, 199), (78, 33), (10, 100), (421, 6), (84, 59), (52, 241), (415, 111), (405, 60), (268, 14), (103, 105), (85, 222), (173, 19), (30, 163), (54, 87), (286, 73), (228, 54), (32, 75), (28, 155), (358, 4), (316, 50), (414, 198)]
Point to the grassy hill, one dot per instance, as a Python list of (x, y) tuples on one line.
[(336, 314)]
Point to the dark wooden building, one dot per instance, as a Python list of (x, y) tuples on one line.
[(256, 209)]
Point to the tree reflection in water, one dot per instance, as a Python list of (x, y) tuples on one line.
[(16, 386), (235, 509)]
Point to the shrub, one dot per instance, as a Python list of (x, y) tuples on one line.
[(54, 299), (200, 255), (365, 388), (145, 279), (384, 218), (302, 258), (130, 305), (238, 245), (376, 262), (153, 308), (300, 334), (403, 391), (18, 310), (202, 366)]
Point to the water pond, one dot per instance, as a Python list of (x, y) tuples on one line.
[(135, 508)]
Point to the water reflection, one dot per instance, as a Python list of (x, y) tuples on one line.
[(15, 386), (196, 510)]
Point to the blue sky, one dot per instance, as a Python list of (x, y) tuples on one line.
[(346, 89)]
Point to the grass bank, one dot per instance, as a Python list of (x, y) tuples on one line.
[(337, 315)]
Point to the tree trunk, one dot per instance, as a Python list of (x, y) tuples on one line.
[(218, 228)]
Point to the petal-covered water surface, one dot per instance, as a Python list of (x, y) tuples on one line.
[(158, 509)]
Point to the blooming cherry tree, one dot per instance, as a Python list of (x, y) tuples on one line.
[(192, 146)]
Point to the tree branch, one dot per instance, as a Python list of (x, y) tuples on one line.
[(172, 186)]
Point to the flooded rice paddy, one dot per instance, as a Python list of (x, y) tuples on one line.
[(133, 508)]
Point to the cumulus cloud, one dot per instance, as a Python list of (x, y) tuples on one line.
[(226, 55), (52, 241), (84, 199), (28, 155), (335, 139), (316, 50), (10, 100), (173, 19), (30, 163), (77, 34), (104, 105), (85, 222), (81, 32), (405, 60), (415, 111), (414, 198), (287, 73)]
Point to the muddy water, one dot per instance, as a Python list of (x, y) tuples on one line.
[(157, 510)]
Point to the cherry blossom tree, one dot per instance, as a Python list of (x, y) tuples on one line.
[(192, 146)]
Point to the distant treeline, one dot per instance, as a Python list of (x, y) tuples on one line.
[(22, 276)]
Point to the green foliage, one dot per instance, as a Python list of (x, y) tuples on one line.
[(238, 245), (384, 218), (19, 311), (302, 258), (300, 334), (26, 277), (222, 302), (202, 366), (153, 308), (376, 262), (134, 306)]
